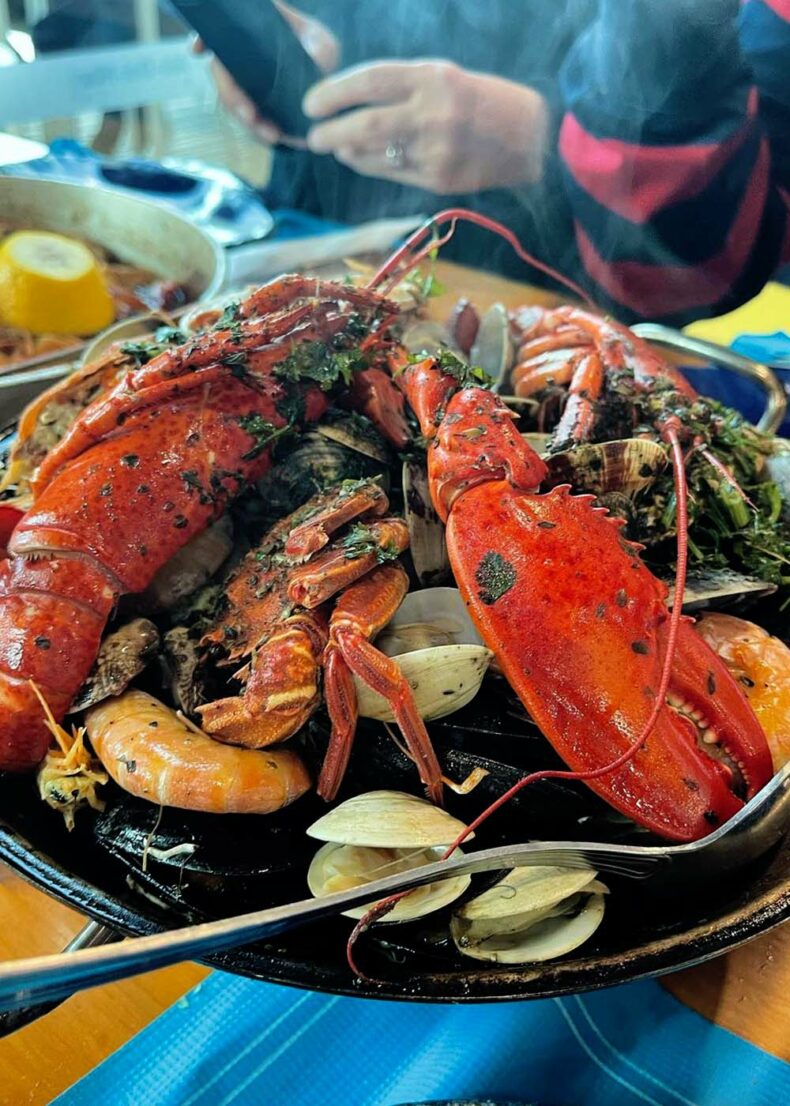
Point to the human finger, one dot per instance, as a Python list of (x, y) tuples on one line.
[(371, 83), (366, 130)]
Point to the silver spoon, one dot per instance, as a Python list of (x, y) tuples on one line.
[(745, 837)]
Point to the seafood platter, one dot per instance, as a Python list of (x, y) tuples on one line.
[(315, 587)]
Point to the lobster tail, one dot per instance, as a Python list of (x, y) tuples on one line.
[(52, 614)]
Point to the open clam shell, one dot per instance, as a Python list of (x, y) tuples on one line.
[(439, 651), (381, 833), (627, 466), (493, 349), (531, 914), (427, 543), (191, 567)]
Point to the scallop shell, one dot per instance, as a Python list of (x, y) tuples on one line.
[(627, 466)]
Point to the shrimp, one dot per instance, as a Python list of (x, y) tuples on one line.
[(761, 665), (153, 753)]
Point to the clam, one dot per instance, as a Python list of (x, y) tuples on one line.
[(123, 656), (381, 833), (627, 465), (438, 650), (493, 350), (428, 337), (313, 465), (355, 432), (426, 531), (191, 567), (531, 914)]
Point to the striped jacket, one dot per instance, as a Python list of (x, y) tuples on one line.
[(674, 148)]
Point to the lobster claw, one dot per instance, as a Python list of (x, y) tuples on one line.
[(578, 625)]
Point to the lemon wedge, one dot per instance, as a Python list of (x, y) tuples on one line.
[(50, 284)]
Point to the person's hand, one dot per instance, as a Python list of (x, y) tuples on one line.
[(431, 124), (316, 39)]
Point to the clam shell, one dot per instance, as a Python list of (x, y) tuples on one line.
[(440, 607), (123, 656), (493, 350), (426, 531), (428, 337), (338, 867), (312, 466), (545, 940), (443, 678), (387, 819), (355, 432), (627, 465), (191, 567), (522, 897)]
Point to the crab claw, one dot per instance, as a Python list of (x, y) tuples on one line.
[(578, 626)]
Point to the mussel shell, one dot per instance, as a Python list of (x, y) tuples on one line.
[(627, 465), (721, 588), (427, 544), (122, 656)]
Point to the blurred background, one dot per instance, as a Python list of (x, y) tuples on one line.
[(149, 96)]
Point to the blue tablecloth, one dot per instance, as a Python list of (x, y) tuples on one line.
[(234, 1041)]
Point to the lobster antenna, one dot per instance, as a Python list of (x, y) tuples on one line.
[(670, 432), (403, 253)]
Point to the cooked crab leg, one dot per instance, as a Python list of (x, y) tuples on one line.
[(354, 556), (360, 612), (282, 690)]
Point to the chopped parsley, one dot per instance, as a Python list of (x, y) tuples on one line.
[(495, 577), (262, 432), (362, 540), (143, 352)]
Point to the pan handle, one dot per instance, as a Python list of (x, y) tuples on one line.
[(90, 936), (776, 397)]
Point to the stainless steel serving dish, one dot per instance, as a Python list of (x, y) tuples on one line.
[(135, 231)]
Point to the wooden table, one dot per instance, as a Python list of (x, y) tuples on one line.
[(747, 991)]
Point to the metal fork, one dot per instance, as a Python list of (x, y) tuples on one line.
[(744, 838)]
